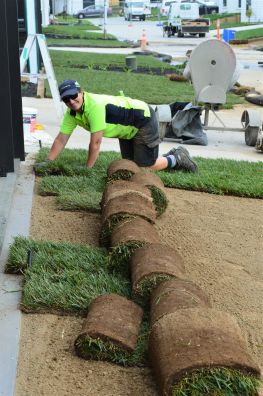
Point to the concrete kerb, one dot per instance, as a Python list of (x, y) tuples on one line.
[(18, 189)]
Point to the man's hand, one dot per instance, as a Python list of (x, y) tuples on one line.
[(38, 166)]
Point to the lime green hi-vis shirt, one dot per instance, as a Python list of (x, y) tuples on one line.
[(117, 116)]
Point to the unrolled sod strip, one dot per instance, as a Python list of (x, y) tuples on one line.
[(121, 188), (111, 329), (176, 294), (122, 169), (156, 186), (119, 209), (129, 236), (200, 341), (152, 264)]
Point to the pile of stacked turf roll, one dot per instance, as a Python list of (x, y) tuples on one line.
[(129, 211), (193, 348), (130, 194)]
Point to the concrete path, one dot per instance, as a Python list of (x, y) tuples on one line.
[(229, 145), (18, 191)]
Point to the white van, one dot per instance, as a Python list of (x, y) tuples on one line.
[(136, 10)]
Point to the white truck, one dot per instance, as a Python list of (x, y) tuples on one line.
[(136, 10), (184, 18)]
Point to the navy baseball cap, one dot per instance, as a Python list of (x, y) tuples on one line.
[(68, 87)]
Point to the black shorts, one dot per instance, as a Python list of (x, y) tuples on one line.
[(143, 149), (141, 154)]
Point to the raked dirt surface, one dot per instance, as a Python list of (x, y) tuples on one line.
[(220, 240)]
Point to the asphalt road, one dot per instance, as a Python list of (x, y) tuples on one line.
[(132, 31)]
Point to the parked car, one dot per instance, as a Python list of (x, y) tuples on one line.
[(92, 11)]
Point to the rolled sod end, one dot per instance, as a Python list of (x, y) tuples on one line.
[(218, 381), (120, 256), (204, 347), (176, 294), (108, 227), (90, 348), (110, 331), (133, 205), (122, 169), (152, 264), (119, 208), (127, 237), (156, 187), (123, 188)]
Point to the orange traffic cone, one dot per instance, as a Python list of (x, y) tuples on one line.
[(218, 36), (143, 41)]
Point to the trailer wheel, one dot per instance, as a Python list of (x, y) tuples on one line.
[(201, 34), (251, 121), (251, 135), (180, 34)]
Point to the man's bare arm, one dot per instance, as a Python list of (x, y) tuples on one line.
[(94, 148), (58, 145)]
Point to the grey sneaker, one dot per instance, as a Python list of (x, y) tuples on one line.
[(184, 161), (174, 149)]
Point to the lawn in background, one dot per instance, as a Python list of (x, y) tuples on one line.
[(249, 34), (80, 34), (153, 89)]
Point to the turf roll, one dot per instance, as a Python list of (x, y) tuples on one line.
[(156, 187), (152, 264), (254, 98), (127, 237), (175, 294), (122, 169), (110, 330), (122, 188), (200, 341), (119, 209)]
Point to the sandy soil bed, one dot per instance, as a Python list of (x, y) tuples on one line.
[(220, 240)]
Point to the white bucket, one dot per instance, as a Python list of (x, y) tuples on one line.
[(29, 119)]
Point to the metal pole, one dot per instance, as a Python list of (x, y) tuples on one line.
[(15, 84), (6, 133), (206, 119), (105, 19)]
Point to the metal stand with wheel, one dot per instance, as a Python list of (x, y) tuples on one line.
[(250, 120), (212, 65)]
